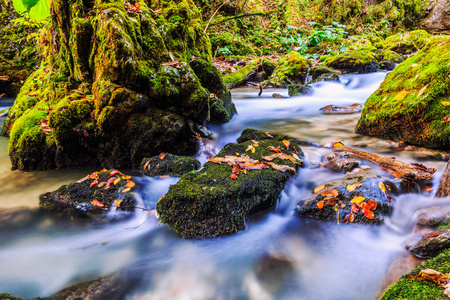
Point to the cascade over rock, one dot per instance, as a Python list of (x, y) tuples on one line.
[(120, 81)]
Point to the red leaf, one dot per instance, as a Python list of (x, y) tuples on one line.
[(295, 150), (320, 204), (234, 176), (94, 183), (446, 119), (329, 192), (355, 208), (433, 235), (369, 215), (372, 204), (115, 172), (162, 155), (109, 182), (97, 203)]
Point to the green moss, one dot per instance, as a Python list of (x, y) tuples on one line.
[(389, 55), (234, 79), (291, 69), (172, 165), (360, 61), (406, 288), (6, 296), (208, 203), (406, 43), (410, 103)]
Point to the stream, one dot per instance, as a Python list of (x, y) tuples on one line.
[(41, 254)]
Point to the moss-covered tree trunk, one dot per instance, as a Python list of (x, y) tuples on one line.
[(120, 81)]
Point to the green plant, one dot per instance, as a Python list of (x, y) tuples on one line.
[(37, 9)]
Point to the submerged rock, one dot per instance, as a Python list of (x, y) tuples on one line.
[(168, 164), (323, 74), (273, 270), (291, 69), (116, 85), (432, 243), (242, 179), (92, 196), (298, 89), (335, 109), (353, 61), (412, 102), (360, 198)]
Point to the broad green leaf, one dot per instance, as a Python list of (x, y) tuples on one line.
[(39, 9), (19, 7)]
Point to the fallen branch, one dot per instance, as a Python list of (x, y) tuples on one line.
[(262, 13), (400, 169)]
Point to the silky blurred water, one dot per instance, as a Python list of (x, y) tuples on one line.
[(41, 254)]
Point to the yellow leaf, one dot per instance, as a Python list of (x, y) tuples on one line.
[(117, 203), (446, 103), (352, 187), (116, 181), (336, 207), (400, 96), (251, 148), (319, 188), (423, 90), (358, 199), (126, 190), (382, 187)]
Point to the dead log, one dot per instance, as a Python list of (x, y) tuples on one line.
[(444, 186), (399, 168)]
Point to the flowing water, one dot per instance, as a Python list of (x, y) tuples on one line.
[(278, 256)]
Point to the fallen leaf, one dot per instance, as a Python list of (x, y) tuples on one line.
[(97, 203), (369, 215), (280, 156), (251, 148), (423, 90), (355, 208), (117, 181), (164, 176), (115, 172), (286, 144), (319, 188), (351, 217), (277, 149), (357, 199), (126, 190), (94, 183), (84, 178), (162, 155), (146, 164), (337, 144), (282, 168), (330, 192), (234, 176), (126, 177), (445, 103), (109, 182), (352, 187), (101, 184), (130, 184), (118, 202), (45, 128), (268, 134), (433, 235), (382, 187), (372, 204), (320, 204), (295, 150), (446, 119)]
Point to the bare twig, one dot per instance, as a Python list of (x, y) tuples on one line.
[(214, 14)]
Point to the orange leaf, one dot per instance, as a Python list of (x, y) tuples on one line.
[(162, 155), (446, 119), (130, 184), (320, 204), (116, 181), (146, 164), (97, 203), (365, 206), (372, 204), (286, 144), (295, 150), (164, 176), (355, 208), (109, 182), (115, 172), (369, 215), (337, 144), (277, 149), (234, 176), (319, 188), (94, 183), (126, 190), (101, 184), (351, 217), (329, 192), (433, 235)]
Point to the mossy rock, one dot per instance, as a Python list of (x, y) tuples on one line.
[(298, 89), (411, 289), (353, 61), (169, 164), (116, 86), (291, 69), (386, 54), (412, 102), (92, 196), (268, 66), (237, 78), (6, 296), (406, 43), (210, 203), (368, 189)]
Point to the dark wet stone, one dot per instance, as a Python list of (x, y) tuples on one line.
[(432, 216), (261, 76), (342, 164), (211, 203), (335, 109), (79, 199), (172, 165), (432, 243), (298, 89), (273, 270), (369, 189)]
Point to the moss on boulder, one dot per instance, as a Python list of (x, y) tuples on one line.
[(237, 78), (291, 69), (169, 164), (353, 61), (413, 101), (406, 43), (92, 195), (411, 289), (367, 186), (215, 201), (117, 84)]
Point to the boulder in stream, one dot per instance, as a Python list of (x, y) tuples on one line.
[(353, 61), (92, 196), (292, 69), (432, 243), (412, 104), (405, 43), (169, 164), (364, 197), (242, 179)]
